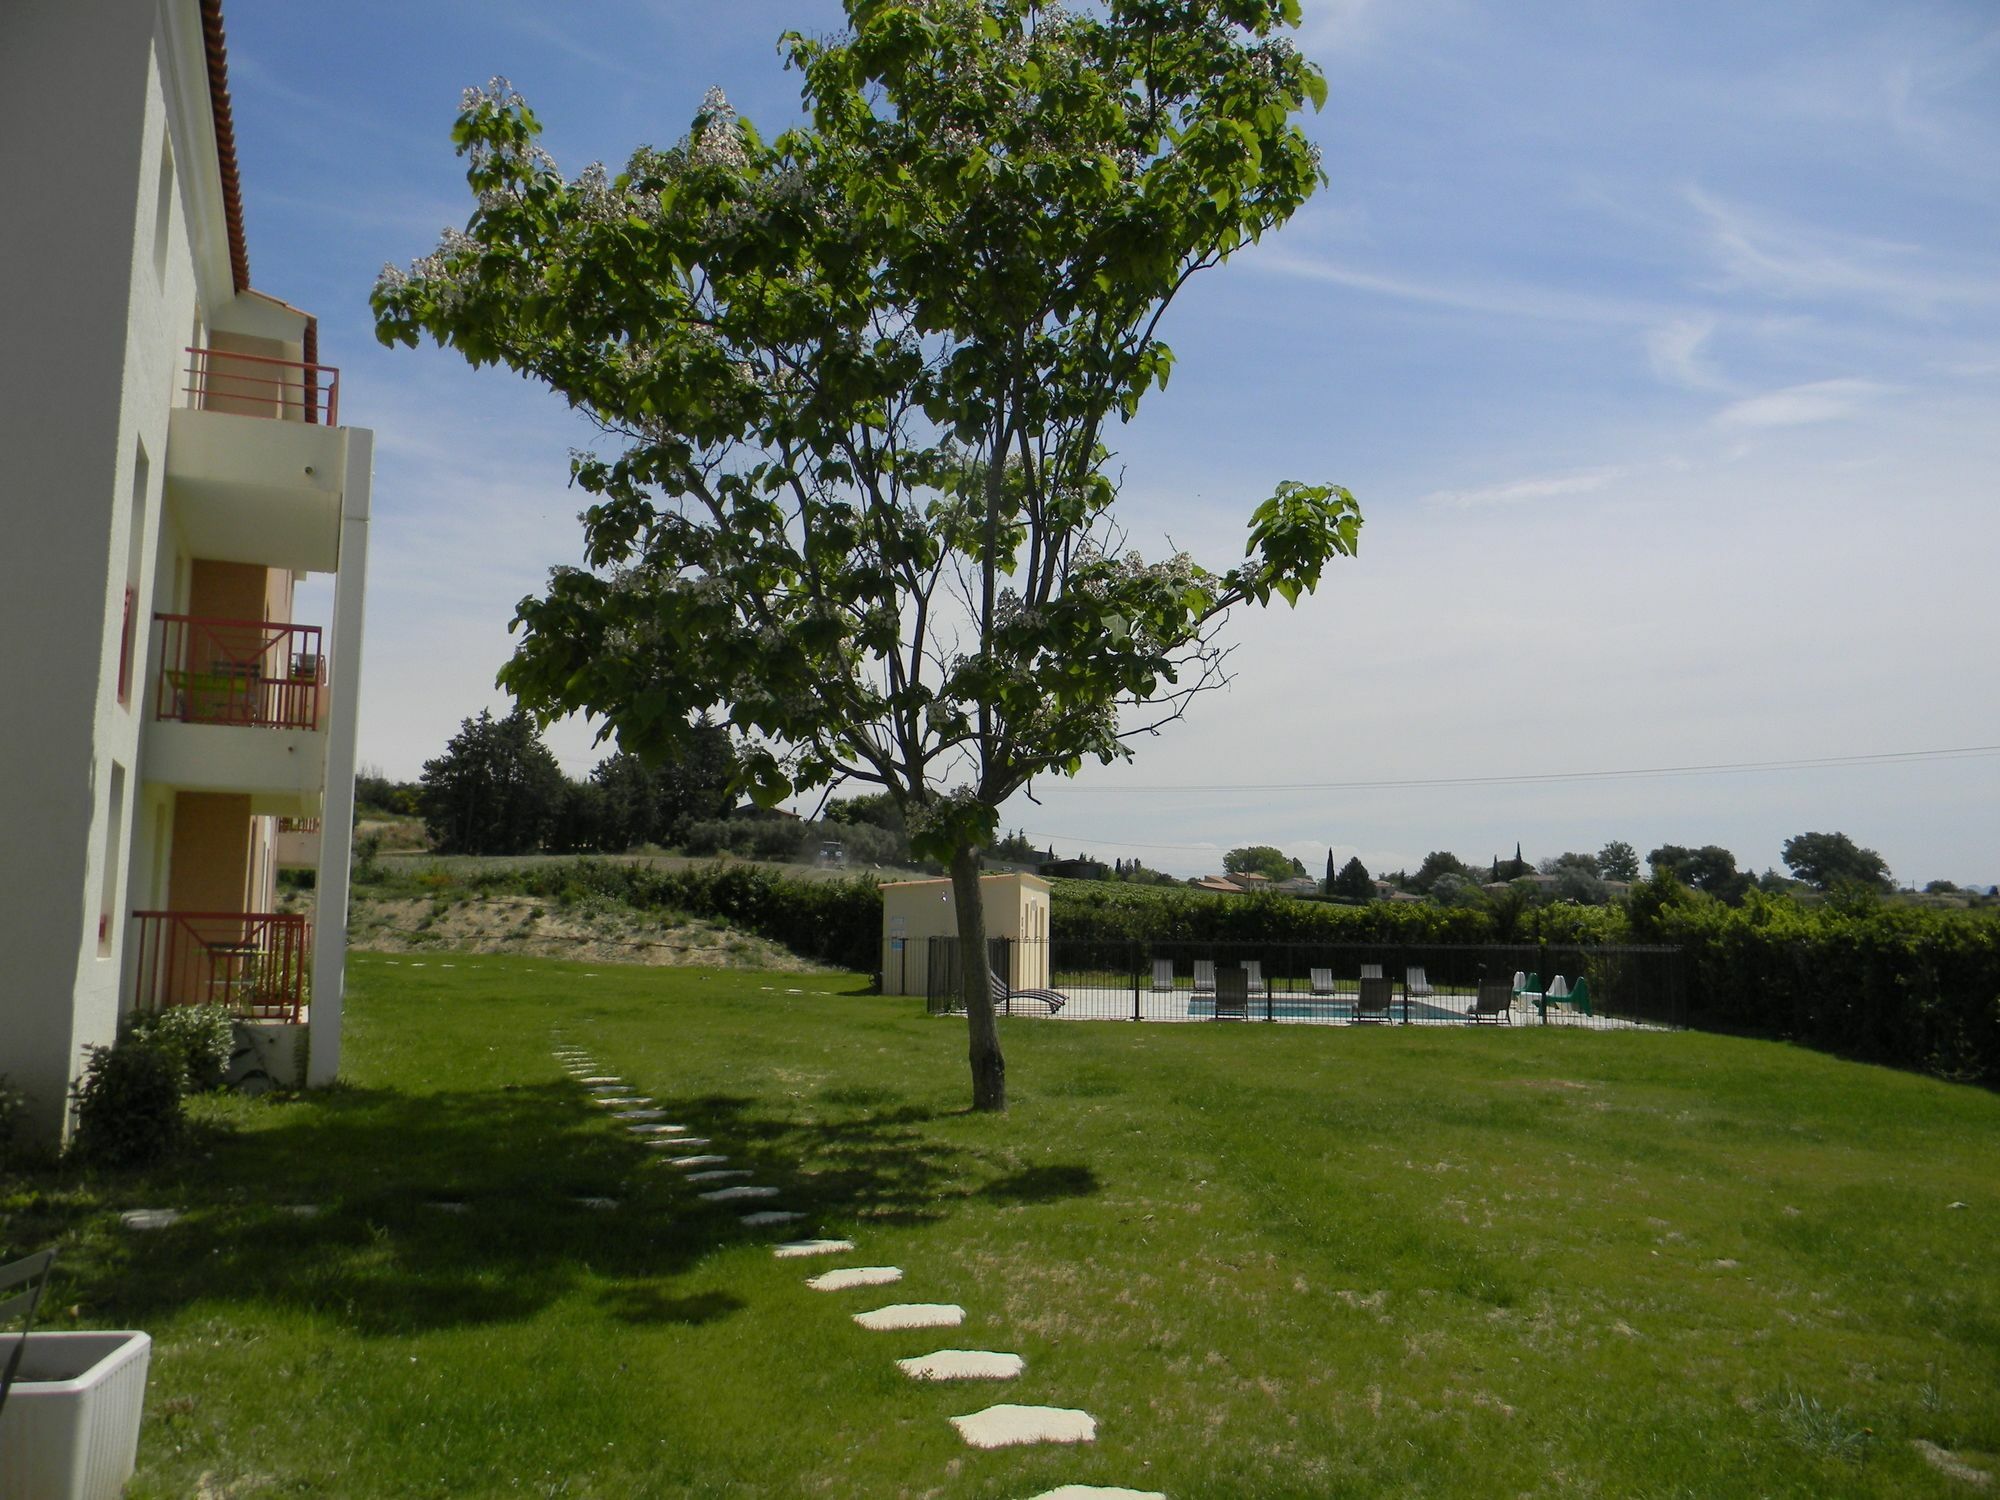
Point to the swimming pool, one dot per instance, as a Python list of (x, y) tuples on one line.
[(1328, 1008)]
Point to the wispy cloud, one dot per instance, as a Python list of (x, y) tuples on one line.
[(1763, 253), (1526, 491), (1675, 349), (1493, 298), (1801, 405)]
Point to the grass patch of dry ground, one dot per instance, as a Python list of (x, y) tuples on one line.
[(1283, 1261)]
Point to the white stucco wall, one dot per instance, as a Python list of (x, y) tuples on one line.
[(109, 280), (89, 370)]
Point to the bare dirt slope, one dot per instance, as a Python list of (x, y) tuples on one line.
[(542, 928)]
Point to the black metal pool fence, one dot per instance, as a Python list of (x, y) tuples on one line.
[(1623, 985)]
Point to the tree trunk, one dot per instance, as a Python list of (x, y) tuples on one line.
[(989, 1069)]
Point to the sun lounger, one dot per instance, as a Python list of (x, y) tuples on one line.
[(1414, 982), (1163, 974), (1579, 997), (1372, 1004), (1322, 981), (1005, 997), (1495, 1003), (1253, 970), (1232, 995), (1371, 971), (1204, 976), (1558, 988)]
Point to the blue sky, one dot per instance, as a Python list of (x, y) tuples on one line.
[(1660, 343)]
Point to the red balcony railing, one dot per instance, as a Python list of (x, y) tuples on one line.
[(258, 672), (253, 385), (255, 963)]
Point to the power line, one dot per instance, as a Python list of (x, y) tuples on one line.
[(1718, 768)]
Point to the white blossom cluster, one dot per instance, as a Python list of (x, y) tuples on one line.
[(716, 142), (498, 92), (594, 195), (436, 267)]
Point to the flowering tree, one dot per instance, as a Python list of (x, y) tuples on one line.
[(859, 378)]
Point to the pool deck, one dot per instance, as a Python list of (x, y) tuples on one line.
[(1086, 1002)]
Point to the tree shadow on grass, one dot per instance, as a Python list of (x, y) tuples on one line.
[(462, 1208), (1043, 1184)]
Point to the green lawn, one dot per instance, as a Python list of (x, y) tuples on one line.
[(1272, 1261)]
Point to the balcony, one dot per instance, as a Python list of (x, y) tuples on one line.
[(240, 706), (256, 466), (246, 672), (253, 963), (250, 385), (297, 843)]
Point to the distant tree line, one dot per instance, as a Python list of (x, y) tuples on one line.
[(497, 789)]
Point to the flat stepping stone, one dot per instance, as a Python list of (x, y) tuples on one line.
[(1008, 1426), (301, 1210), (450, 1208), (620, 1101), (962, 1364), (772, 1216), (853, 1276), (639, 1114), (679, 1142), (737, 1194), (603, 1078), (799, 1248), (721, 1174), (657, 1129), (685, 1162), (150, 1218), (1098, 1492), (912, 1315)]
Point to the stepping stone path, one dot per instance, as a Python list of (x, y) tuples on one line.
[(912, 1315), (684, 1162), (772, 1216), (737, 1194), (798, 1248), (639, 1114), (1007, 1426), (657, 1129), (150, 1218), (677, 1143), (721, 1174), (962, 1364), (853, 1276)]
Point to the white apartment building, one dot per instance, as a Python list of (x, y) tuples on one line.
[(172, 464)]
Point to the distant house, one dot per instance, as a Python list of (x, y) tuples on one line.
[(1074, 869), (1220, 885)]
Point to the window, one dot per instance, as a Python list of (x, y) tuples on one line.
[(135, 541), (163, 211), (114, 839)]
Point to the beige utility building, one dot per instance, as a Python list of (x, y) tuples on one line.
[(172, 466), (915, 911)]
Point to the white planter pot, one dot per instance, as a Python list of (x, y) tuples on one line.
[(70, 1429)]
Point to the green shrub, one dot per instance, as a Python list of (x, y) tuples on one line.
[(201, 1038), (13, 1114), (128, 1104)]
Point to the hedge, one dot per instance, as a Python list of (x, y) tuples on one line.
[(1899, 985), (1907, 986)]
